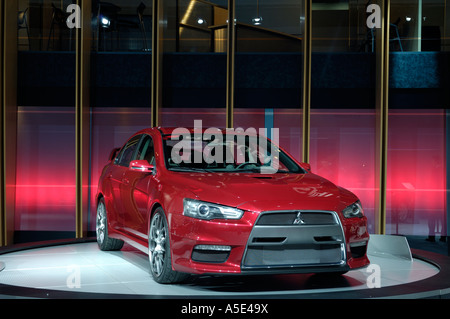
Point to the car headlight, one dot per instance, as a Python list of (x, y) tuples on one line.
[(204, 210), (354, 210)]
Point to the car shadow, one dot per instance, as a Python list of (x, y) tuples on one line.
[(249, 283), (272, 283)]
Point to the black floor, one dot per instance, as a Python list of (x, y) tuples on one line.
[(428, 244)]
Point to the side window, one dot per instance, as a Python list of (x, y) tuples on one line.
[(146, 150), (127, 152)]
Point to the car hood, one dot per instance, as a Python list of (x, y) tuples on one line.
[(265, 192)]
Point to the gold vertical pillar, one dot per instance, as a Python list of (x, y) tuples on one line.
[(382, 90), (8, 100), (82, 117), (157, 60), (306, 98), (231, 51)]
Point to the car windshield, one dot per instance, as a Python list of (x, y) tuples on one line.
[(230, 154)]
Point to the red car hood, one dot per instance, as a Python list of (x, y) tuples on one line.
[(264, 192)]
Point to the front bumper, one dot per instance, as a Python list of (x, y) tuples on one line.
[(282, 243), (261, 244)]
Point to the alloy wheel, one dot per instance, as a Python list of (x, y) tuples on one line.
[(157, 244), (100, 223)]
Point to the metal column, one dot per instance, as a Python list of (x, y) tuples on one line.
[(231, 51), (82, 117), (306, 98), (157, 56), (8, 101), (382, 108)]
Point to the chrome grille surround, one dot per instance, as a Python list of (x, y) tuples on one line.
[(300, 244), (296, 217)]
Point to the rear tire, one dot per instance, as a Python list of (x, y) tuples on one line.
[(101, 228), (159, 251)]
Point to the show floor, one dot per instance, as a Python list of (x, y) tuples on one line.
[(81, 270)]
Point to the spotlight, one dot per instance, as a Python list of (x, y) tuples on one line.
[(105, 22), (201, 21), (257, 21), (408, 19)]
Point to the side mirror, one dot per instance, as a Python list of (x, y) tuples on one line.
[(306, 166), (141, 165)]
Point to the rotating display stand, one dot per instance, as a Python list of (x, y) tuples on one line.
[(79, 269)]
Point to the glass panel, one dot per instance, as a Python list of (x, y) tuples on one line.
[(122, 26), (418, 25), (269, 69), (111, 128), (121, 63), (45, 177), (416, 172), (121, 79), (343, 151), (343, 100), (184, 117), (42, 26), (417, 160), (287, 121), (194, 63), (45, 172)]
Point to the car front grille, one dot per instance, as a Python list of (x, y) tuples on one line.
[(297, 217), (295, 239)]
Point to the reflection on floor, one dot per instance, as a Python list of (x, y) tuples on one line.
[(84, 268)]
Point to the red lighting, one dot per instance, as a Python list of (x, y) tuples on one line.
[(342, 150)]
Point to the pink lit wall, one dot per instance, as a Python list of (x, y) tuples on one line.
[(111, 128), (343, 151), (416, 176), (45, 177), (288, 122)]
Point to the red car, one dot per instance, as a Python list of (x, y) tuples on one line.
[(225, 202)]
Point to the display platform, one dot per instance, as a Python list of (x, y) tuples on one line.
[(80, 270)]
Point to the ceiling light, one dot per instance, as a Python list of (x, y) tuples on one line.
[(105, 22), (257, 20)]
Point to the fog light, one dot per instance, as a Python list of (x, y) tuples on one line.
[(213, 247), (211, 253), (358, 249)]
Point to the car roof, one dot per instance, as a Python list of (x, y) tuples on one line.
[(169, 130)]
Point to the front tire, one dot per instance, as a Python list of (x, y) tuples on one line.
[(101, 229), (159, 251)]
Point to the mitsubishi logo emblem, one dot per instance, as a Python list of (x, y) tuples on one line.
[(298, 220)]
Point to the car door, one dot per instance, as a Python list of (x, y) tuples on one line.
[(121, 164), (136, 185)]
